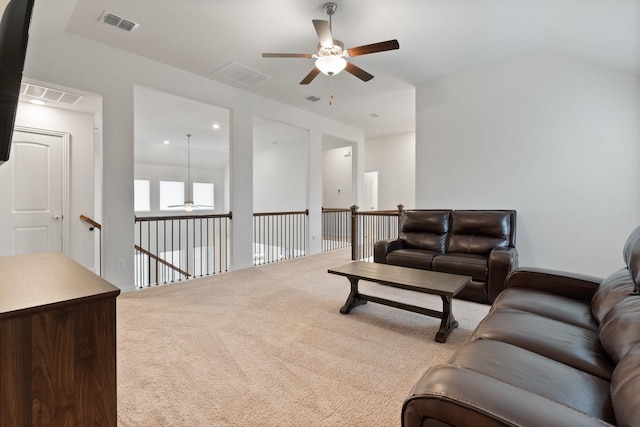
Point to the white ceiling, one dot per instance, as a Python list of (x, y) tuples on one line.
[(160, 117), (437, 38)]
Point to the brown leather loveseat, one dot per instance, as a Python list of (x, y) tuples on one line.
[(476, 243), (556, 349)]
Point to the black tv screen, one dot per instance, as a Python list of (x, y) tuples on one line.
[(14, 35)]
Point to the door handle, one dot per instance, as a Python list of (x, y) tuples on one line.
[(57, 217)]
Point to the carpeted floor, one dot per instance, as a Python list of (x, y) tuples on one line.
[(267, 346)]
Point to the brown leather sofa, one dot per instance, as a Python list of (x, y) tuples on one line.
[(556, 349), (476, 243)]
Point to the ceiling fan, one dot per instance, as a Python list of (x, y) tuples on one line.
[(331, 55), (188, 203)]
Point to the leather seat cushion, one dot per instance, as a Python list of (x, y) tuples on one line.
[(569, 344), (553, 306), (472, 265), (454, 396), (413, 258), (538, 374)]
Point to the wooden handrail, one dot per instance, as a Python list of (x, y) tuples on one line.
[(304, 212), (378, 213), (328, 210), (91, 222), (171, 217), (161, 261)]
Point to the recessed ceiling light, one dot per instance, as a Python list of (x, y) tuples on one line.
[(215, 126), (37, 102), (166, 142)]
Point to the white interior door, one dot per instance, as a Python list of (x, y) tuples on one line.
[(32, 193), (371, 191)]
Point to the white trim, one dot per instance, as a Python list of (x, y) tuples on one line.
[(65, 136)]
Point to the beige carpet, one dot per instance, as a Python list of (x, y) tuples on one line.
[(267, 346)]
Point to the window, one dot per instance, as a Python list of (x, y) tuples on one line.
[(171, 195), (141, 195), (203, 194)]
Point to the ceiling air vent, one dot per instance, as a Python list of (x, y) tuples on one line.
[(312, 98), (241, 74), (48, 94), (118, 22)]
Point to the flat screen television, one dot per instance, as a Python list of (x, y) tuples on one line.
[(14, 35)]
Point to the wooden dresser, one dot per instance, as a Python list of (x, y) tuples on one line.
[(57, 343)]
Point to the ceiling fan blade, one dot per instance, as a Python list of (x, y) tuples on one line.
[(312, 75), (373, 48), (358, 72), (324, 32), (287, 55)]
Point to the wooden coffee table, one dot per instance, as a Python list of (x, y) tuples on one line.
[(424, 281)]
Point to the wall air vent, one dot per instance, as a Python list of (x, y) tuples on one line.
[(118, 22), (241, 74), (47, 94)]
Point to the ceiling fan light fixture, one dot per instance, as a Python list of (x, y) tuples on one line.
[(331, 65)]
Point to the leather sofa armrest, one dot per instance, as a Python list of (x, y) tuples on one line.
[(571, 285), (501, 262), (455, 396), (382, 247)]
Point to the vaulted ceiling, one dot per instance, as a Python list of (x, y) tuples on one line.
[(437, 38)]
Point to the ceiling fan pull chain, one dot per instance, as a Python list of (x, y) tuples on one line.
[(330, 90)]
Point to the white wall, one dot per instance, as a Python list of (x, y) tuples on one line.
[(555, 138), (81, 195), (394, 158), (157, 173), (280, 177), (337, 176), (61, 58)]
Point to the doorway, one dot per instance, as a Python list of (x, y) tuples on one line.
[(371, 191), (33, 190)]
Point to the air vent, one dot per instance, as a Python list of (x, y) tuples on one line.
[(312, 98), (118, 22), (48, 94), (241, 74)]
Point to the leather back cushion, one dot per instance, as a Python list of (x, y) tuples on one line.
[(620, 328), (625, 389), (425, 229), (632, 240), (632, 255), (621, 283), (478, 232), (611, 291)]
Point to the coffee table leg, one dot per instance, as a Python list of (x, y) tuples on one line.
[(448, 322), (352, 300)]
